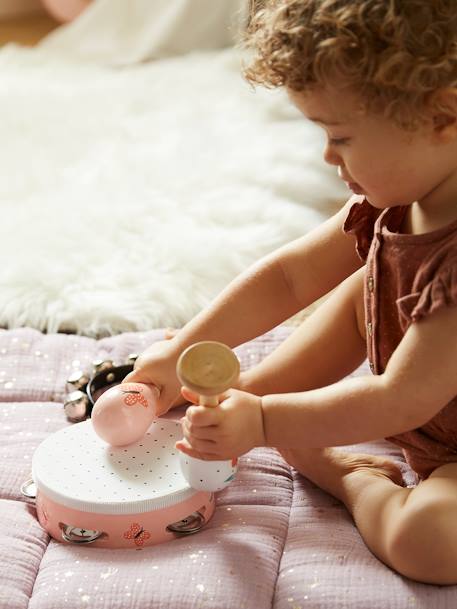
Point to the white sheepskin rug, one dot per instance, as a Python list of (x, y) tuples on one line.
[(131, 197)]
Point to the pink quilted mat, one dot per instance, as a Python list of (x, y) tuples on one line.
[(275, 539)]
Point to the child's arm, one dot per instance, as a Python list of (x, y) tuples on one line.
[(325, 348), (277, 287), (419, 380), (269, 292)]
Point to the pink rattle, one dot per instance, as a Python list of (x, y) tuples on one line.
[(124, 413)]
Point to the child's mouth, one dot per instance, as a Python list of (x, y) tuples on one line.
[(356, 188)]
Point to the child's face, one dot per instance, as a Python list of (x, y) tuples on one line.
[(374, 156)]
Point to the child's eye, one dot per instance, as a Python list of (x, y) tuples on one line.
[(338, 141)]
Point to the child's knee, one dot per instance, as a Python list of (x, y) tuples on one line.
[(423, 540), (291, 456), (305, 460), (298, 458)]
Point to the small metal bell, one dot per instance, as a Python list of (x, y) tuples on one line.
[(77, 380), (76, 406), (102, 364), (189, 525)]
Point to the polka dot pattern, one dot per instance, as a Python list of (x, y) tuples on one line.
[(76, 468)]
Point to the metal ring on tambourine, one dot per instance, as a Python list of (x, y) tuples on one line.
[(106, 379), (78, 535), (28, 489), (189, 525), (78, 405)]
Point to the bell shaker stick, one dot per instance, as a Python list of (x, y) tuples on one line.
[(208, 368)]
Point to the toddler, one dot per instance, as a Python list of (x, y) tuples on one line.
[(380, 77)]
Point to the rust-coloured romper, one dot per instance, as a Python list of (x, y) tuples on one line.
[(407, 278)]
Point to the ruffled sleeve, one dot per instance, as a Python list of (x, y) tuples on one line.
[(438, 293), (360, 222)]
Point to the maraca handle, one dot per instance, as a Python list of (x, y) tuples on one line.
[(210, 401), (208, 369)]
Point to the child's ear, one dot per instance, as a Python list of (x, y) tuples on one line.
[(442, 106)]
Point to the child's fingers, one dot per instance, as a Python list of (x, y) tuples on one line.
[(193, 397), (201, 416), (199, 432), (203, 445), (186, 448), (135, 377), (139, 374), (189, 395)]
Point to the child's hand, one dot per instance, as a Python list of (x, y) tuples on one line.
[(223, 432), (157, 366)]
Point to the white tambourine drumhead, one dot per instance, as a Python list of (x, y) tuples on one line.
[(76, 468)]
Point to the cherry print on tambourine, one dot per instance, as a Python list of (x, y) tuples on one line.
[(133, 394), (138, 534)]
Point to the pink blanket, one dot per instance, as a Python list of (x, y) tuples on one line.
[(275, 540)]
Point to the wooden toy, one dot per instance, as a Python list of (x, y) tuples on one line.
[(208, 368)]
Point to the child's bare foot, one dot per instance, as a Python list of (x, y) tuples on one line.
[(344, 475)]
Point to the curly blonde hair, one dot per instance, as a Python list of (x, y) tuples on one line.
[(395, 53)]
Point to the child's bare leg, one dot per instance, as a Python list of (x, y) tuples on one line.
[(411, 530), (414, 531)]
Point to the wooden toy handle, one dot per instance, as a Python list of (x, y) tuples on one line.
[(208, 368), (211, 401)]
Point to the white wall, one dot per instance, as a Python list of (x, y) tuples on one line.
[(14, 8)]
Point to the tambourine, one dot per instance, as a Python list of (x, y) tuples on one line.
[(136, 494), (88, 492)]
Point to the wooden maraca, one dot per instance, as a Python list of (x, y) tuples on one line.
[(208, 368)]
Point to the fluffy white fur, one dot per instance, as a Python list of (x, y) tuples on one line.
[(130, 198)]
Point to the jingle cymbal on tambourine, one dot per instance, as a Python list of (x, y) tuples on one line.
[(208, 368)]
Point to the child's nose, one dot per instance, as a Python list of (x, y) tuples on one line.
[(331, 156)]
